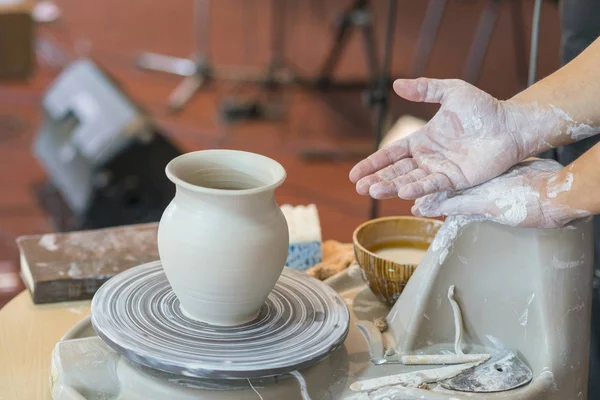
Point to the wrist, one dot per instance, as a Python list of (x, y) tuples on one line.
[(556, 199), (522, 129), (535, 127)]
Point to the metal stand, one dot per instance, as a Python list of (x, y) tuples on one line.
[(358, 15), (265, 106), (481, 39), (483, 35), (377, 93), (377, 96), (428, 35), (380, 96), (196, 70)]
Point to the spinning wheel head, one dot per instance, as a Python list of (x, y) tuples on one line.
[(137, 314)]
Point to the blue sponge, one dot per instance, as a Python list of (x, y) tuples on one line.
[(305, 236)]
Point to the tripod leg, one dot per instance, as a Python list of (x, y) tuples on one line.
[(279, 20), (369, 43), (184, 91), (202, 28), (167, 64), (481, 40), (428, 35), (518, 28), (268, 103), (533, 52), (383, 90), (341, 38)]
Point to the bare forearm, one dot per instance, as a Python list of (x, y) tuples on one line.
[(566, 104), (574, 89), (577, 186)]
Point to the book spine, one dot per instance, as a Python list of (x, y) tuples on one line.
[(66, 290)]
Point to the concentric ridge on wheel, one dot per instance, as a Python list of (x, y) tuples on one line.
[(137, 314)]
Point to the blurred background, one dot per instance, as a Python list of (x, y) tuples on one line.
[(296, 80)]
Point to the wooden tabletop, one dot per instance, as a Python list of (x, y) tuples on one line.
[(28, 334)]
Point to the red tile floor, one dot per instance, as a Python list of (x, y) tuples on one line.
[(113, 32)]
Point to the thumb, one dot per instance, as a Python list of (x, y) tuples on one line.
[(464, 204), (423, 89)]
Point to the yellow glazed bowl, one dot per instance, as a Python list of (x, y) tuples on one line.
[(386, 278)]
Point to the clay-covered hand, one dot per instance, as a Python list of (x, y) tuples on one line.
[(471, 139), (527, 195)]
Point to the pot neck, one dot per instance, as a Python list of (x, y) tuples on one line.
[(255, 202)]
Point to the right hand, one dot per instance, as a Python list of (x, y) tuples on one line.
[(471, 139)]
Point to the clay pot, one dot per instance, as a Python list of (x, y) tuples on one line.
[(223, 240)]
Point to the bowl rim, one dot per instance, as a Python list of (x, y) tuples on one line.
[(382, 219)]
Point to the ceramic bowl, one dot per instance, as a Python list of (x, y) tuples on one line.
[(387, 278)]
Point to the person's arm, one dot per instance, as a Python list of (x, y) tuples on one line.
[(573, 94), (475, 137)]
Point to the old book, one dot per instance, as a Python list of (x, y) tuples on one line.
[(72, 266), (17, 39)]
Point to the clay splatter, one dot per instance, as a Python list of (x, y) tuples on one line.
[(444, 240), (576, 131), (525, 316), (555, 188), (74, 271), (564, 264), (49, 242)]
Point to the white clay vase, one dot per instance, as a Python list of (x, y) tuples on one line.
[(223, 240)]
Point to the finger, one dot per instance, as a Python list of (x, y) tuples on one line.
[(436, 182), (364, 184), (437, 206), (380, 159), (424, 89), (389, 188), (398, 182), (383, 190), (397, 169), (427, 205), (386, 174)]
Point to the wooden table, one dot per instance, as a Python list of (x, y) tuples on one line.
[(28, 334)]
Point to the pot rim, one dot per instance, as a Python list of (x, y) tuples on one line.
[(279, 172)]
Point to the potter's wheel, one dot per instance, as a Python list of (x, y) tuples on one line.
[(138, 315)]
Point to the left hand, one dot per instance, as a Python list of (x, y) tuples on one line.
[(525, 196)]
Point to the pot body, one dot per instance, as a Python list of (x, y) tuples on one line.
[(223, 240)]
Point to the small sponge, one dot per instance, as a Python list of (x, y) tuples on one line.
[(305, 236)]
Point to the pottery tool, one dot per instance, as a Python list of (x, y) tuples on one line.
[(412, 379), (137, 314), (504, 373)]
